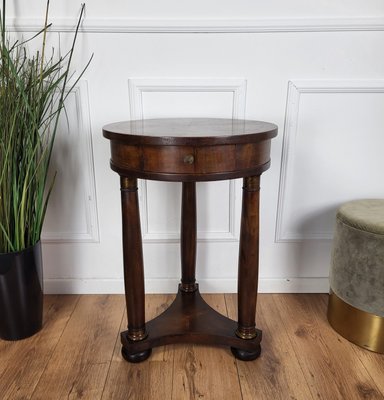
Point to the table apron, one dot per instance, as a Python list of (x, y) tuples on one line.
[(190, 163)]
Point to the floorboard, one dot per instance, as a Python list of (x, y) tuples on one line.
[(277, 374), (80, 362), (77, 356), (23, 362), (329, 364), (151, 379)]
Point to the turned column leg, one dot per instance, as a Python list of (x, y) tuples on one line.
[(188, 237), (248, 265), (133, 266)]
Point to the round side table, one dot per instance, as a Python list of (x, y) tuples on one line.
[(189, 150)]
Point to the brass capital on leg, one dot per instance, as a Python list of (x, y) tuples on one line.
[(251, 184), (137, 334), (128, 184), (246, 332), (188, 287)]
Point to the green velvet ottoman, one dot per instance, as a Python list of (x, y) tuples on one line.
[(356, 302)]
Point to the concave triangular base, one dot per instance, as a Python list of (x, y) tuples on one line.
[(189, 319)]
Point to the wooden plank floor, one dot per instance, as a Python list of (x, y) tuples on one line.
[(77, 356)]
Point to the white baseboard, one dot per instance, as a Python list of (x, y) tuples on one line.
[(116, 286)]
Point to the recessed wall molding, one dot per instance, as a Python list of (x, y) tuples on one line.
[(159, 25), (83, 142), (235, 86), (296, 89), (139, 86), (230, 235)]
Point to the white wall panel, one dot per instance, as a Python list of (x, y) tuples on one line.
[(187, 97), (160, 204), (193, 59), (332, 153), (72, 212)]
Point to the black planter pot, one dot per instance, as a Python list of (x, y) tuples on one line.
[(21, 293)]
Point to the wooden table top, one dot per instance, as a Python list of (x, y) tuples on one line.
[(190, 131), (190, 149)]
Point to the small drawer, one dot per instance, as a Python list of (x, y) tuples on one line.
[(169, 159)]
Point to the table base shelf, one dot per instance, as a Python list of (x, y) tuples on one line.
[(189, 319)]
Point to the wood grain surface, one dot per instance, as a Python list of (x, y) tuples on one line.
[(77, 356), (190, 149)]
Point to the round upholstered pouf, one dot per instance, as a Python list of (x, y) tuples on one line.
[(356, 302)]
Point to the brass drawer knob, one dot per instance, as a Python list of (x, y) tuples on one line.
[(189, 159)]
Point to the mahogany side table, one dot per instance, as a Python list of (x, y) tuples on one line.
[(189, 150)]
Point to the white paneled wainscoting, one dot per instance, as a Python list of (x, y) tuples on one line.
[(315, 70)]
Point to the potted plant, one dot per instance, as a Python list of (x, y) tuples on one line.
[(33, 90)]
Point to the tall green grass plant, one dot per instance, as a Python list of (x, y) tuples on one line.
[(33, 90)]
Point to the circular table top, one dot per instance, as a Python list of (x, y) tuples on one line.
[(190, 131)]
